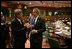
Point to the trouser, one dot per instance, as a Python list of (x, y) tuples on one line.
[(36, 42), (3, 44)]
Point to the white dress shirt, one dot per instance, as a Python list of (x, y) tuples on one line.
[(36, 19)]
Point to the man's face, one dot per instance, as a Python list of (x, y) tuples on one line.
[(34, 14), (20, 15), (2, 18), (1, 14)]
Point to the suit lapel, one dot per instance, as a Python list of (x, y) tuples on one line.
[(18, 21), (37, 20)]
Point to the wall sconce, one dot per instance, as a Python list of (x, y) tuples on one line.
[(25, 7)]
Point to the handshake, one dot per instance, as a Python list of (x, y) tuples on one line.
[(28, 25), (34, 31)]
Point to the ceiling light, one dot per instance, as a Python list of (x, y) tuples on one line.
[(18, 2), (30, 3), (25, 7)]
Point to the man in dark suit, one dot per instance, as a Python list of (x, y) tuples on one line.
[(38, 26), (19, 30), (4, 31)]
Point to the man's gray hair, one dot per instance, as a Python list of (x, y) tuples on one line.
[(17, 11), (36, 10)]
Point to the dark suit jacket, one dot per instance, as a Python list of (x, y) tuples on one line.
[(17, 28), (4, 35), (40, 26), (19, 32), (36, 38)]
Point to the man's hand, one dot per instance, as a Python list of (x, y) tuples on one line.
[(34, 31), (27, 25)]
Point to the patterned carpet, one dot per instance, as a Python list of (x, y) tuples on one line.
[(44, 44), (27, 45)]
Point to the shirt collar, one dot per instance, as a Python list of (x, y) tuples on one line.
[(36, 19)]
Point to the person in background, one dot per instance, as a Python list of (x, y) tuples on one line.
[(4, 31)]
